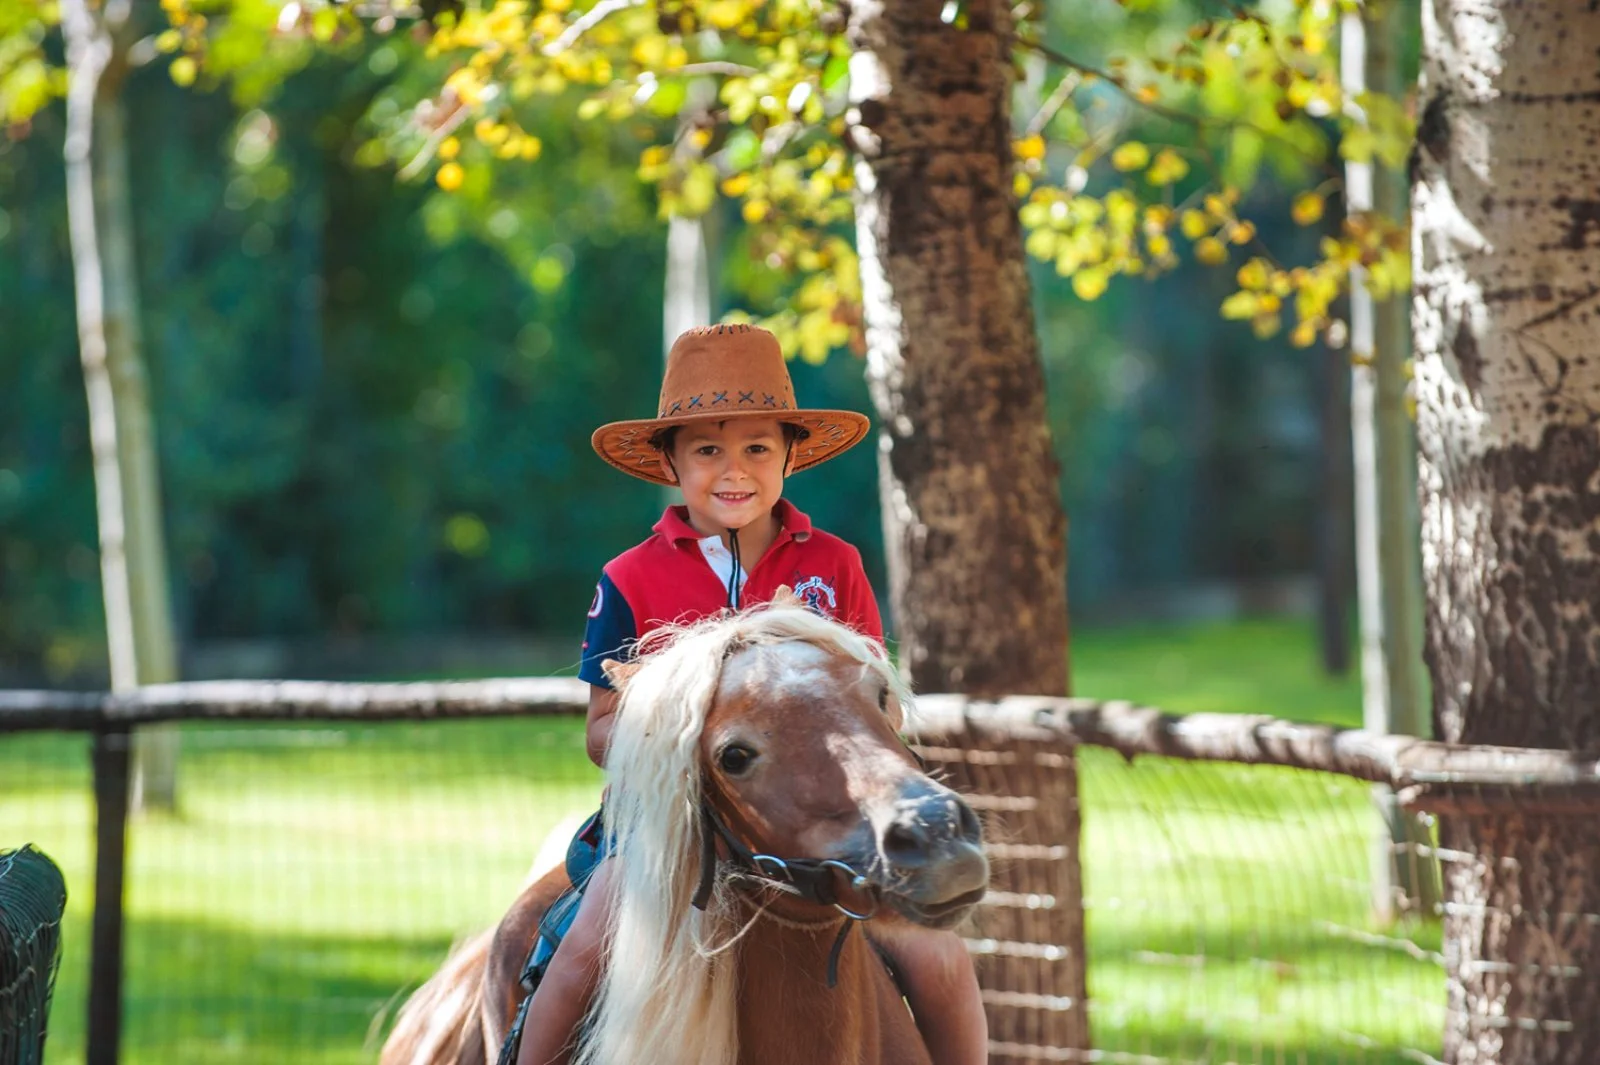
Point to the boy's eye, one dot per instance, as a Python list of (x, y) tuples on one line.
[(706, 449)]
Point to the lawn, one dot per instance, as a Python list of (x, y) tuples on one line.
[(313, 873)]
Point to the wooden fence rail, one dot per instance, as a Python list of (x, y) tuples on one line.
[(1400, 761), (950, 729)]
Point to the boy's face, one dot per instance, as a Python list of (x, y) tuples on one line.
[(731, 472)]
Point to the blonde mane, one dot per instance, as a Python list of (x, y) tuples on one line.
[(668, 994)]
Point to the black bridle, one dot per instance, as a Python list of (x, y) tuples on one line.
[(815, 880)]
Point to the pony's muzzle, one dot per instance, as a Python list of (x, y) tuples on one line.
[(932, 846)]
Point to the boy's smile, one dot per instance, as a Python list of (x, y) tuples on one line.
[(731, 474)]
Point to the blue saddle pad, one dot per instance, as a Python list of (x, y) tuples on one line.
[(584, 854)]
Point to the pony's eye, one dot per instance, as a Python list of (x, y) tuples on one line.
[(736, 759), (883, 700)]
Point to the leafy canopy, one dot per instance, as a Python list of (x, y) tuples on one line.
[(1121, 168)]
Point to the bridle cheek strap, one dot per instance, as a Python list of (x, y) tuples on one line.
[(811, 879)]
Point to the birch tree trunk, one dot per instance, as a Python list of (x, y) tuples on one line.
[(1507, 226), (973, 522), (1387, 560), (127, 485)]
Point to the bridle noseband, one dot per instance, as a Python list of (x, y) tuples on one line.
[(815, 880)]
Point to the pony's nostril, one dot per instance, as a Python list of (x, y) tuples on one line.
[(971, 828), (905, 843)]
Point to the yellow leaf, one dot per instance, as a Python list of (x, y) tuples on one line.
[(1240, 305), (1307, 208), (725, 14), (1021, 185), (1029, 147), (532, 147), (1042, 244), (1253, 275), (1194, 224), (1130, 155), (450, 176), (1169, 167), (489, 132), (650, 52), (1304, 334), (1090, 284), (754, 211), (183, 71), (1265, 325), (736, 185), (1242, 232), (1210, 251), (449, 148)]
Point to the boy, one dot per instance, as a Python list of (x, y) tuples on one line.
[(728, 433)]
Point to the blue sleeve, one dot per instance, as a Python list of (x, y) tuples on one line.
[(611, 632)]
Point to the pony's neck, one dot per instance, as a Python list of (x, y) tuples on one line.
[(789, 1016)]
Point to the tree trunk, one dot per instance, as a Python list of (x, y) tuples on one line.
[(973, 523), (1508, 374), (127, 486), (1387, 558)]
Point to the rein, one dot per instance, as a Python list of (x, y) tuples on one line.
[(812, 879)]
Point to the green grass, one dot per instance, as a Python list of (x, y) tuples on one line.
[(312, 874)]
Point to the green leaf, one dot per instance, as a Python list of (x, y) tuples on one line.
[(743, 149), (835, 73), (669, 97)]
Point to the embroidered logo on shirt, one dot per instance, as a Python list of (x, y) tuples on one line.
[(599, 601), (813, 591)]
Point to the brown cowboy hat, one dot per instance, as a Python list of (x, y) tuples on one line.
[(719, 373)]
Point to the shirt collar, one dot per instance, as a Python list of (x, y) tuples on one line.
[(792, 524)]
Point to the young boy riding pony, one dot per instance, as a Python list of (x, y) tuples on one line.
[(727, 433)]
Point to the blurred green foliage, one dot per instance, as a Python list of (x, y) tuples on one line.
[(374, 396)]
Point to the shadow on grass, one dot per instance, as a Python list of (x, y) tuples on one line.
[(203, 994)]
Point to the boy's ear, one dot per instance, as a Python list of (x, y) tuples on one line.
[(618, 673)]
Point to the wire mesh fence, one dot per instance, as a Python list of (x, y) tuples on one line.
[(311, 873), (1229, 915), (315, 871), (33, 898)]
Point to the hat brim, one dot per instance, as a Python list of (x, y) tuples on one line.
[(626, 445)]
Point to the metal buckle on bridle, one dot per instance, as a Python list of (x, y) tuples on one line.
[(784, 874)]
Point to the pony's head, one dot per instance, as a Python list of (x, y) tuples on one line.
[(788, 724)]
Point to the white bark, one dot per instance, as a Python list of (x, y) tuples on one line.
[(1507, 227), (127, 489), (1389, 586)]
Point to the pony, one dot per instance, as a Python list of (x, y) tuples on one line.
[(739, 740)]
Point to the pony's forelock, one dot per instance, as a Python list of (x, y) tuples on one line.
[(668, 993)]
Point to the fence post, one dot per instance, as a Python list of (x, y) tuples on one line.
[(111, 759)]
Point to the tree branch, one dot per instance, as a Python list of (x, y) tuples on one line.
[(591, 18), (1200, 122)]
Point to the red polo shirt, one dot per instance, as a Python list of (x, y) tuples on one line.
[(668, 580)]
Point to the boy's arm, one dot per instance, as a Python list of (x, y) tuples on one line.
[(597, 727), (609, 634)]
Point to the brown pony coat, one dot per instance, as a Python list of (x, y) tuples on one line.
[(786, 1014)]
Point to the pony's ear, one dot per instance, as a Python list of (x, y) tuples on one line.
[(619, 673), (785, 597)]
